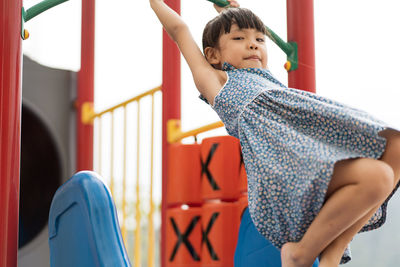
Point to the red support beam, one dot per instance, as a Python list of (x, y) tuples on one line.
[(10, 128), (171, 91), (86, 87), (300, 29)]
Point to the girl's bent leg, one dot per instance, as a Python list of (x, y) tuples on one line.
[(362, 182), (332, 254), (391, 156)]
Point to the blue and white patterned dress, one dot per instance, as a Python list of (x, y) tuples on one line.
[(290, 141)]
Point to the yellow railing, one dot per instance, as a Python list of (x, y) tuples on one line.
[(175, 133), (90, 116)]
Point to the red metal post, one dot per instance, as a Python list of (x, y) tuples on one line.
[(86, 86), (10, 128), (300, 29), (171, 90)]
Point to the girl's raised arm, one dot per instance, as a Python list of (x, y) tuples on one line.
[(207, 79)]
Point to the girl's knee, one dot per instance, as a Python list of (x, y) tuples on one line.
[(378, 178), (375, 176)]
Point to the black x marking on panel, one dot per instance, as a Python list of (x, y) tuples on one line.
[(205, 169), (211, 250), (183, 238)]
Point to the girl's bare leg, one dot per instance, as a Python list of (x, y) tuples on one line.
[(369, 179), (332, 254)]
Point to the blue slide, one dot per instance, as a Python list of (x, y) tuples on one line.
[(83, 225)]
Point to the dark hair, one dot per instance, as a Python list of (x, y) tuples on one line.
[(242, 17)]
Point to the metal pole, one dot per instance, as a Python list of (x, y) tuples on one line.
[(10, 128), (171, 91), (300, 29), (86, 86)]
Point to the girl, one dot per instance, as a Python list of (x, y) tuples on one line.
[(318, 171)]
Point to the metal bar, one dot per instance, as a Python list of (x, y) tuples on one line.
[(300, 29), (151, 238), (10, 128), (123, 227), (112, 155), (171, 110), (138, 215)]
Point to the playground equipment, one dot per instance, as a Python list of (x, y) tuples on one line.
[(203, 217), (83, 225), (12, 18), (10, 69), (47, 156), (91, 117), (34, 11), (11, 30)]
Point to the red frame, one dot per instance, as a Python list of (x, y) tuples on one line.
[(300, 29), (10, 128), (84, 142), (171, 91)]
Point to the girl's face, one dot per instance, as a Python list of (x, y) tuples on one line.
[(242, 48)]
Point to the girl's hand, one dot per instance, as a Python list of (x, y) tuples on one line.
[(232, 3)]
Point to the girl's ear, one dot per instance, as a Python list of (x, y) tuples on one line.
[(212, 55)]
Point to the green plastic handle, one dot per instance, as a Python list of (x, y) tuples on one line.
[(41, 7), (290, 48), (36, 10), (221, 3)]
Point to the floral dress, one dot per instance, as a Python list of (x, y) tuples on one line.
[(290, 141)]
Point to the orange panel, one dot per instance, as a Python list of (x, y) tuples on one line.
[(220, 159), (183, 185), (183, 237), (220, 223)]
